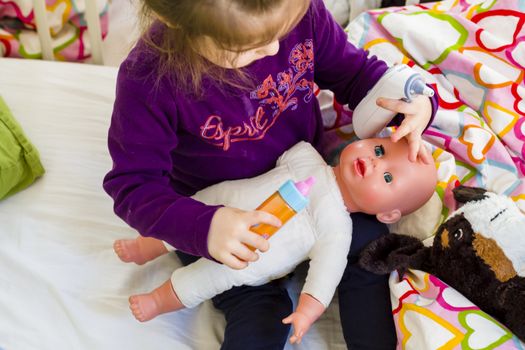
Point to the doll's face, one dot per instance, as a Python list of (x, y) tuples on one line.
[(377, 176)]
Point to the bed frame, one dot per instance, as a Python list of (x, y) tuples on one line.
[(93, 24)]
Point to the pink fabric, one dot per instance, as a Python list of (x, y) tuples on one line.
[(429, 314), (471, 52)]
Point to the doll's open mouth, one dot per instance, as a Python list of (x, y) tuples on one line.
[(360, 167)]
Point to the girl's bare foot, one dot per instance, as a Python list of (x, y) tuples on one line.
[(139, 250), (161, 300)]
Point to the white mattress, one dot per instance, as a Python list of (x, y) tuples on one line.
[(61, 285)]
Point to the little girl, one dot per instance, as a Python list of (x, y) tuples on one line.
[(218, 90)]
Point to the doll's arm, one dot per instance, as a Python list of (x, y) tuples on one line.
[(328, 260), (308, 311)]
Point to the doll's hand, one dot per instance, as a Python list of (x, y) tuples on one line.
[(308, 311), (301, 324), (417, 115), (230, 234)]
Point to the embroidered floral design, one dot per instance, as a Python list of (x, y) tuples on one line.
[(274, 98)]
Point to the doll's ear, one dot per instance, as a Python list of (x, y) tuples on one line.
[(464, 194), (392, 252), (390, 217)]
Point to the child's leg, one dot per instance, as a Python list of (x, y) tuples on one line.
[(364, 298), (139, 250), (159, 301), (253, 314)]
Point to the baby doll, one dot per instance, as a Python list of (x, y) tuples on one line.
[(373, 176)]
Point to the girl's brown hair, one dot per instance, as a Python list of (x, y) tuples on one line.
[(234, 25)]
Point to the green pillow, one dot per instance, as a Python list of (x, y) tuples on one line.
[(19, 160)]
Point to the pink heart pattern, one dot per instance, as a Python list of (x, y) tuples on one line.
[(473, 54), (429, 314)]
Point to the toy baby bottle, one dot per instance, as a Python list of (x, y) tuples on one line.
[(287, 201)]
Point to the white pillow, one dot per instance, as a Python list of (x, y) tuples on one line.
[(423, 222)]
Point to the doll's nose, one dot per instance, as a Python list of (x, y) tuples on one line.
[(377, 164)]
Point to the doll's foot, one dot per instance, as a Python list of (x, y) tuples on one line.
[(139, 250), (161, 300), (143, 307)]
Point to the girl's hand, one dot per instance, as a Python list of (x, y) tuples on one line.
[(417, 115), (230, 234)]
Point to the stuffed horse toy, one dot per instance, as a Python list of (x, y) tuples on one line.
[(479, 250)]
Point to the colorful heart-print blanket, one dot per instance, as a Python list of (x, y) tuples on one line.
[(68, 28), (431, 315), (473, 53)]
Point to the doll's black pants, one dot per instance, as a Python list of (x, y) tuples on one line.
[(253, 314)]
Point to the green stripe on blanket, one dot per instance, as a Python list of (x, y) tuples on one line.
[(19, 160)]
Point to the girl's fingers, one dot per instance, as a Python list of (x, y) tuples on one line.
[(261, 217), (242, 252), (413, 147), (403, 130), (233, 262), (398, 106), (425, 154), (255, 240), (258, 217)]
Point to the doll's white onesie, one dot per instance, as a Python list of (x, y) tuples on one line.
[(322, 232)]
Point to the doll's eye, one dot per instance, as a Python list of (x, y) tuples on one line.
[(379, 151), (388, 177), (458, 234)]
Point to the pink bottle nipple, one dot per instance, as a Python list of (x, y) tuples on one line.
[(305, 185)]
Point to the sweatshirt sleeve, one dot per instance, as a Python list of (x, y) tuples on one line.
[(142, 135), (339, 65), (342, 67)]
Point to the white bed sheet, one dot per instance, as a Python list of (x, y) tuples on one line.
[(61, 285)]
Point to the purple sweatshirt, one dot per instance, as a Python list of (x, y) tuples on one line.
[(166, 146)]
